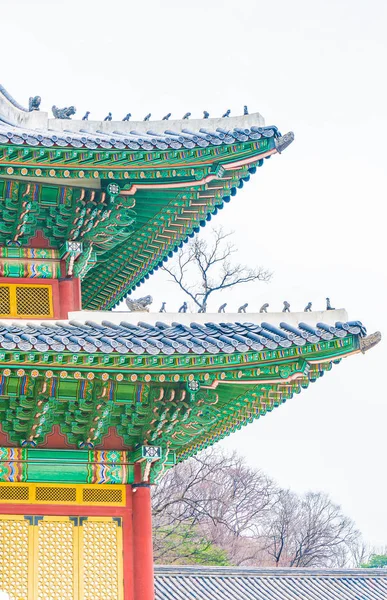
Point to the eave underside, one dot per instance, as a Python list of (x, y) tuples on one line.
[(70, 401), (164, 196)]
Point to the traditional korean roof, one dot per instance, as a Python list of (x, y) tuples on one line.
[(224, 583), (179, 386), (175, 338), (117, 135), (129, 193)]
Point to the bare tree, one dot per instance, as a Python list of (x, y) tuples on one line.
[(214, 508), (209, 265), (214, 494), (310, 531)]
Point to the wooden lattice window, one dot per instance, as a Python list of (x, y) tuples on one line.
[(5, 300), (48, 493), (99, 495), (55, 494), (25, 300), (14, 493)]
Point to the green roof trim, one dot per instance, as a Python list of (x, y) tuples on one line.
[(182, 404)]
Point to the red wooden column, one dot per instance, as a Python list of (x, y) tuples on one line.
[(143, 574), (127, 545), (69, 296)]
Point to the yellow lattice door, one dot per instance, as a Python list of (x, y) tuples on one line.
[(15, 552), (61, 558), (100, 559), (55, 558)]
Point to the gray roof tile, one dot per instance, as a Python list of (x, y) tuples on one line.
[(224, 583), (160, 338)]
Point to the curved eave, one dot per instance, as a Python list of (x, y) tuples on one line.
[(202, 200), (217, 393), (198, 164)]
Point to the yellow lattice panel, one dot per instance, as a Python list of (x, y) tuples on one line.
[(55, 558), (33, 300), (103, 495), (51, 493), (25, 300), (15, 550), (100, 573), (5, 301), (55, 494), (14, 492)]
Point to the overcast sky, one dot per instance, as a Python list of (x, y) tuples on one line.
[(314, 215)]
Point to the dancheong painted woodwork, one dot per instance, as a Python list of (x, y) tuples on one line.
[(115, 199), (95, 407), (126, 386)]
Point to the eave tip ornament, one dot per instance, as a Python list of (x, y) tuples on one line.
[(282, 142), (369, 341)]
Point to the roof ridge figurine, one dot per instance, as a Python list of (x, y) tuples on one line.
[(34, 103), (166, 117), (108, 117), (183, 308), (205, 114), (264, 308), (222, 307), (127, 117), (148, 116), (242, 309), (245, 110), (226, 114), (139, 304), (162, 309), (63, 113), (286, 307), (187, 115), (308, 307), (329, 307), (86, 116)]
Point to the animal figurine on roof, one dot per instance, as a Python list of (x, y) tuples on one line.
[(147, 117), (242, 309), (108, 117), (34, 103), (205, 114), (127, 117), (163, 305), (222, 307), (140, 304), (187, 115), (226, 114), (308, 307), (245, 110), (183, 308), (166, 117), (63, 113), (264, 308), (286, 307), (86, 116), (329, 307)]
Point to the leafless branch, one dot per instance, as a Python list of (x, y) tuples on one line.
[(209, 266), (216, 498)]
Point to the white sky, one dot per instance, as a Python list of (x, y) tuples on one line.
[(315, 215)]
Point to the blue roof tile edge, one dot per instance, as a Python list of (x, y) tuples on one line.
[(160, 338), (21, 135)]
